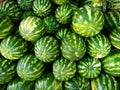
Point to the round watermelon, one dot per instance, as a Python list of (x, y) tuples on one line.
[(87, 21), (29, 67), (64, 69)]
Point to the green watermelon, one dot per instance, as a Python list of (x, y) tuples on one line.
[(48, 82), (61, 2), (87, 21), (7, 70), (111, 63), (112, 19), (20, 84), (89, 67), (115, 37), (13, 47), (64, 69), (32, 28), (6, 26), (10, 8), (42, 8), (63, 14), (98, 46), (73, 47), (25, 4), (29, 67), (47, 49), (51, 24), (77, 83), (104, 82)]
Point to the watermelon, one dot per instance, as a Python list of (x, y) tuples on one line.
[(10, 8), (20, 84), (29, 67), (111, 63), (25, 4), (87, 21), (64, 69), (112, 19), (42, 8), (89, 67), (32, 28), (6, 26), (61, 33), (104, 82), (7, 70), (48, 82), (13, 47), (115, 37), (51, 24), (73, 47), (98, 46), (47, 49), (63, 14), (61, 2), (77, 83)]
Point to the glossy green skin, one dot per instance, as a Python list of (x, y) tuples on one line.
[(20, 84), (11, 9), (7, 70), (32, 28), (29, 67), (63, 14), (89, 67), (77, 83), (47, 49), (104, 82), (48, 82), (64, 69), (42, 7), (87, 21), (73, 47), (6, 26), (25, 4), (98, 46), (13, 47), (51, 24), (111, 63), (115, 37), (112, 19)]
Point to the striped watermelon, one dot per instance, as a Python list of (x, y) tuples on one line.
[(115, 37), (77, 83), (20, 84), (98, 46), (32, 28), (47, 49), (29, 67), (51, 24), (63, 14), (6, 26), (7, 70), (61, 33), (73, 47), (104, 82), (48, 82), (89, 67), (87, 21), (25, 4), (61, 2), (11, 9), (13, 47), (64, 69), (42, 8), (112, 19), (111, 63)]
